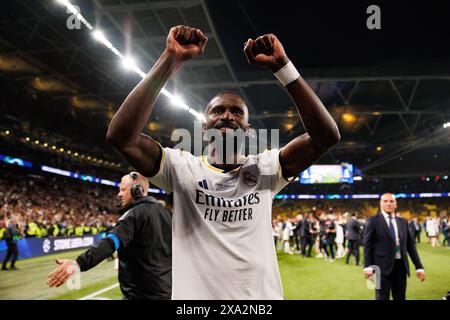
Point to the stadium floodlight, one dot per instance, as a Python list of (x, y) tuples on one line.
[(102, 38), (446, 125), (129, 63), (177, 101), (69, 6)]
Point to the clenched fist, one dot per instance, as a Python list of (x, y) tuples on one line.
[(266, 51), (184, 43)]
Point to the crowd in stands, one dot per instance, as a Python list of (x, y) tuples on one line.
[(48, 206), (35, 144)]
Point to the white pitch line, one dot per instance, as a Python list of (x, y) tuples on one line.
[(89, 296)]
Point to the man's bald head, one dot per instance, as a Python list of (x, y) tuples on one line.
[(388, 203), (127, 183)]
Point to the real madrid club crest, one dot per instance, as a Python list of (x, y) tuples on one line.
[(249, 178)]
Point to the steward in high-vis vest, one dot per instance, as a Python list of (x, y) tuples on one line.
[(31, 229)]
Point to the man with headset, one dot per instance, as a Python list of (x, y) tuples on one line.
[(143, 239)]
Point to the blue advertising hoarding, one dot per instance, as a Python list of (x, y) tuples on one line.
[(36, 247)]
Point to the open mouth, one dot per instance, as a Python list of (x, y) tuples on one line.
[(226, 126)]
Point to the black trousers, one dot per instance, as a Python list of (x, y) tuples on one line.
[(297, 242), (12, 254), (418, 237), (394, 282), (307, 241), (329, 244), (353, 249)]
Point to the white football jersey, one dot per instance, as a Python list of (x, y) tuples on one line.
[(222, 230)]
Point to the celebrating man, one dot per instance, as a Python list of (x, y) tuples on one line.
[(222, 235)]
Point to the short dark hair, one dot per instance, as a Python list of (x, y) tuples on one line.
[(224, 93)]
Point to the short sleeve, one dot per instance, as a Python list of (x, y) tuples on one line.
[(269, 165), (163, 179)]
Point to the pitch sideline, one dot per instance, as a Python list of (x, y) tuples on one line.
[(92, 295)]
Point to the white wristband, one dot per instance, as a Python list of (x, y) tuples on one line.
[(287, 74)]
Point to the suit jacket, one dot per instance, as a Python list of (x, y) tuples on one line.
[(353, 230), (298, 228), (379, 247), (412, 227), (306, 225)]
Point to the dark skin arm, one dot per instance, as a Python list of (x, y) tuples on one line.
[(321, 130), (125, 129)]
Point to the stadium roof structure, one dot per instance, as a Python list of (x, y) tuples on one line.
[(388, 89)]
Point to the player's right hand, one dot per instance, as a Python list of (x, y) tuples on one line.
[(66, 268), (185, 43)]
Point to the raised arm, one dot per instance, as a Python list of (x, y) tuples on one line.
[(321, 130), (125, 129)]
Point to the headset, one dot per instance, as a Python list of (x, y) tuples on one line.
[(137, 191)]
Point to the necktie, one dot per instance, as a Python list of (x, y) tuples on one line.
[(391, 228)]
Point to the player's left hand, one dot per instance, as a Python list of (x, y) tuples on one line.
[(66, 268), (421, 276), (266, 51)]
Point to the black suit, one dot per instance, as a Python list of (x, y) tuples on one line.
[(298, 235), (379, 250), (354, 239), (415, 232), (306, 237)]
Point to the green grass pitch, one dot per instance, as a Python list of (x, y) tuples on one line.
[(303, 278)]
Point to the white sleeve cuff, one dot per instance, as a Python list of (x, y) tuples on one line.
[(420, 271), (368, 269)]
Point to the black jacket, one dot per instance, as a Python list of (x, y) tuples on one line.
[(145, 251), (353, 230), (412, 228), (305, 228), (299, 228), (11, 234), (379, 247)]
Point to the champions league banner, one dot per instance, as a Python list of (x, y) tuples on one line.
[(36, 247)]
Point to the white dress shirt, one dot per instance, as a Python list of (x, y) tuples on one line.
[(394, 223)]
